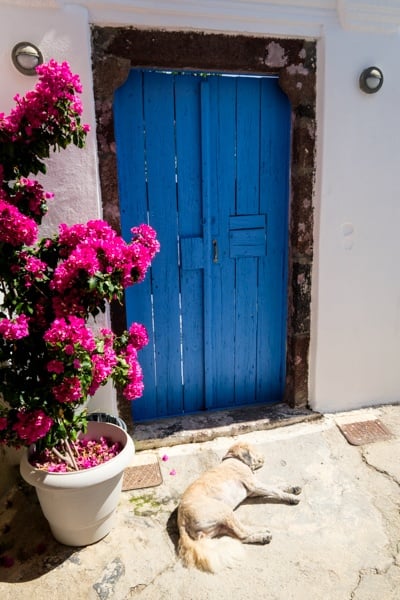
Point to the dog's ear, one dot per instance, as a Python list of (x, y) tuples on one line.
[(246, 455), (240, 452)]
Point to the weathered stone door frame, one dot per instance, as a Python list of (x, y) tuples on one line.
[(116, 50)]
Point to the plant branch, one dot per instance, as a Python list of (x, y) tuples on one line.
[(63, 457), (71, 454)]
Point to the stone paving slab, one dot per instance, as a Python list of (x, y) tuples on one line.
[(342, 542)]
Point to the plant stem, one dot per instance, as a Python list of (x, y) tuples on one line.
[(63, 457), (71, 455)]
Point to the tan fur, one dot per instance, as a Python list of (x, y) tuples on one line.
[(206, 509)]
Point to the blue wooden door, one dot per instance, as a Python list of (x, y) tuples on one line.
[(205, 160)]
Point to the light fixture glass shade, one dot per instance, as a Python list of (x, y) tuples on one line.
[(26, 57), (371, 80)]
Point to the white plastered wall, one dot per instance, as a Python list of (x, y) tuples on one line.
[(62, 33), (356, 300), (355, 327)]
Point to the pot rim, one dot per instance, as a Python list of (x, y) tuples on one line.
[(91, 476)]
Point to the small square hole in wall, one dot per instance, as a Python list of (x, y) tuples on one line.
[(365, 432)]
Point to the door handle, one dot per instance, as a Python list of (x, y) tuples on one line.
[(215, 251)]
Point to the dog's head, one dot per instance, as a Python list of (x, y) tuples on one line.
[(247, 454)]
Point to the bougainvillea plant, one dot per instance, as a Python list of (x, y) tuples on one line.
[(51, 359)]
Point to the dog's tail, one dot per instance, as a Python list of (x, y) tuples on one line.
[(209, 554)]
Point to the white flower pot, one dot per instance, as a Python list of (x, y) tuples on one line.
[(80, 505)]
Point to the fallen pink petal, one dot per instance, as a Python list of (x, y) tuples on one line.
[(165, 457), (172, 472)]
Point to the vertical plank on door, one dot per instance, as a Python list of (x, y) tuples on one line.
[(158, 99), (247, 203), (274, 194), (222, 175), (208, 192), (130, 135), (188, 152)]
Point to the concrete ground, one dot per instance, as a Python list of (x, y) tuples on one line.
[(341, 542)]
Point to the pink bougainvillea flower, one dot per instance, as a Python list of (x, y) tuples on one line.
[(172, 472), (93, 254), (14, 329), (55, 366), (138, 336), (32, 425), (30, 196), (69, 390), (134, 387), (165, 457), (15, 228), (68, 333)]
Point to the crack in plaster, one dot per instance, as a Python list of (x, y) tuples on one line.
[(371, 571), (161, 506), (393, 555), (143, 586), (377, 469)]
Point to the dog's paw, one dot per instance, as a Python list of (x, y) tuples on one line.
[(259, 537), (264, 537), (296, 490), (294, 500)]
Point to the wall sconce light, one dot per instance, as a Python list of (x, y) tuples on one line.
[(371, 80), (26, 57)]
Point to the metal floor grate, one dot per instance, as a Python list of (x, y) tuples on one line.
[(141, 476), (365, 432)]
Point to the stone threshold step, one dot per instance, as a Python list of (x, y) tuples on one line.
[(225, 423)]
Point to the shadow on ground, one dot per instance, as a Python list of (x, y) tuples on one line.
[(27, 547), (172, 529)]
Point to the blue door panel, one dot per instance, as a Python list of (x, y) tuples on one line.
[(205, 160)]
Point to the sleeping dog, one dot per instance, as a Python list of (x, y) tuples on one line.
[(206, 509)]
